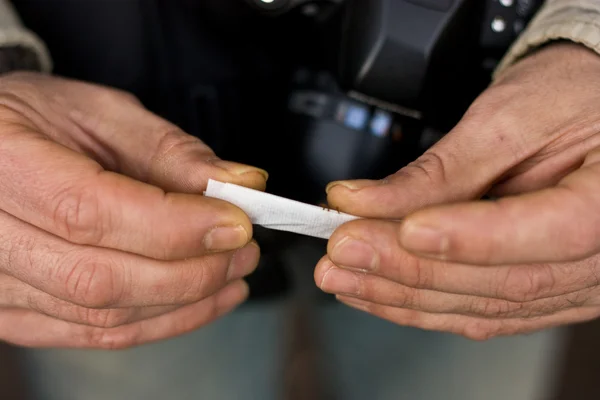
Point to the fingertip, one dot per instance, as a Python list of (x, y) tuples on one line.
[(225, 238), (346, 201), (244, 261), (361, 229), (353, 185), (232, 296), (321, 269), (352, 302), (242, 174), (253, 179), (343, 193), (230, 215), (339, 192), (365, 198), (339, 235)]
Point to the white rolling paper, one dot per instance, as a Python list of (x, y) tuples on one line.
[(279, 213)]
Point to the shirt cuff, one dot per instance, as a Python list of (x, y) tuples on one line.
[(14, 35), (576, 21)]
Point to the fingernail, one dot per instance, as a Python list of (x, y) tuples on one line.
[(223, 238), (354, 253), (342, 282), (353, 185), (243, 262), (423, 239), (238, 169)]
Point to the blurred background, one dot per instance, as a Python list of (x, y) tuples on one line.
[(304, 79), (404, 363)]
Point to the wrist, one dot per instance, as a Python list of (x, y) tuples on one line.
[(555, 59), (556, 22)]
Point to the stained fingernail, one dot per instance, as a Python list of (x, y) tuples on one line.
[(354, 253), (354, 185), (238, 169), (338, 281), (223, 238), (423, 239), (243, 262)]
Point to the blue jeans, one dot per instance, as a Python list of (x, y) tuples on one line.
[(241, 357)]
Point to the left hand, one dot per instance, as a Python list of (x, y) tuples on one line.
[(528, 261)]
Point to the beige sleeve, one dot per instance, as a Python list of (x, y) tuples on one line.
[(574, 20), (13, 33)]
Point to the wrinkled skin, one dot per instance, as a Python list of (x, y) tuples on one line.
[(528, 260), (105, 238)]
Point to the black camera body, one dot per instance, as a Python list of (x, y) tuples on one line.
[(425, 58), (431, 56), (385, 79)]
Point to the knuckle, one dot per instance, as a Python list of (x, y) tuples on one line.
[(173, 141), (207, 279), (103, 318), (196, 282), (480, 330), (526, 283), (366, 286), (91, 283), (20, 252), (579, 299), (126, 96), (48, 305), (76, 213), (405, 299), (419, 274), (110, 95), (494, 308), (502, 309), (113, 338), (430, 165)]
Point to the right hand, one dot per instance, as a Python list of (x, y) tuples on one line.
[(105, 238)]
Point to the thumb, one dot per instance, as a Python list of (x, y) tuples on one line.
[(117, 131), (461, 166)]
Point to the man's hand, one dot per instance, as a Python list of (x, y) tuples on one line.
[(105, 238), (528, 261)]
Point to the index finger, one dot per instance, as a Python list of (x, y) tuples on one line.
[(71, 196), (372, 247), (94, 277), (551, 225), (461, 166)]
